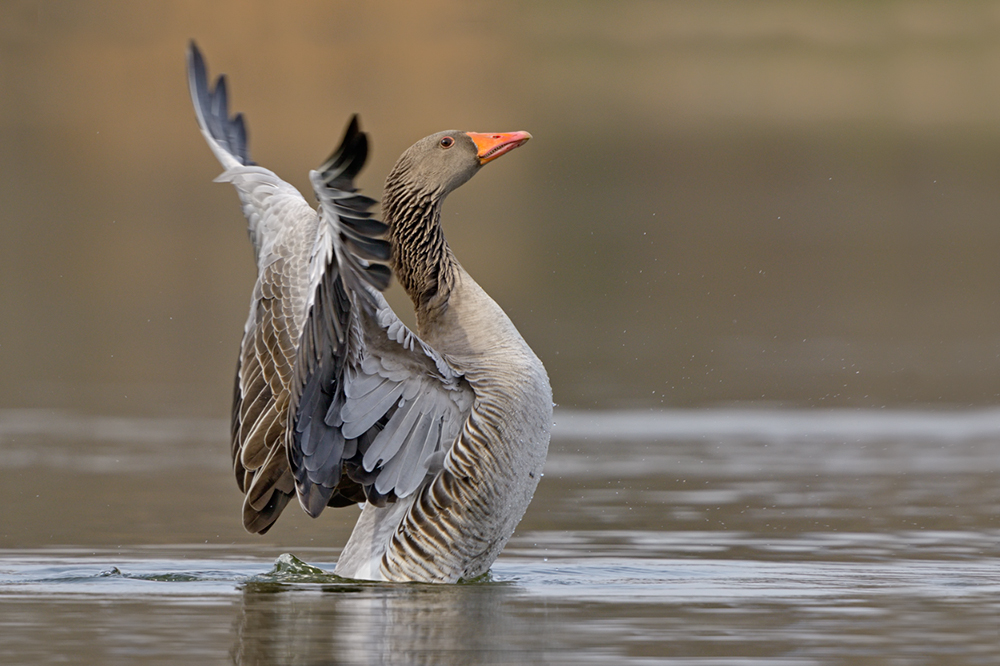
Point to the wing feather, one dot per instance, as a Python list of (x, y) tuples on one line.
[(416, 467), (406, 458), (389, 441), (360, 415)]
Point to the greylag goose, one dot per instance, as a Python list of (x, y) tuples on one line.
[(441, 434)]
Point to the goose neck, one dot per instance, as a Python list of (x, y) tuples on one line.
[(422, 261)]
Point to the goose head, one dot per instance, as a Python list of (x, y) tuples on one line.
[(442, 162)]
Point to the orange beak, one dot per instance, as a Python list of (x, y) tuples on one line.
[(492, 146)]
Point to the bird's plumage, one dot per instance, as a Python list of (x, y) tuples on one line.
[(442, 435)]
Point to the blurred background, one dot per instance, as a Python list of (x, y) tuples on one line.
[(769, 203)]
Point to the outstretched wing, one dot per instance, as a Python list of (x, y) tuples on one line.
[(289, 243)]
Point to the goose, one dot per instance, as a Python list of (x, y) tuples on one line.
[(439, 434)]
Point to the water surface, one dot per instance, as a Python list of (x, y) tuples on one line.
[(708, 537)]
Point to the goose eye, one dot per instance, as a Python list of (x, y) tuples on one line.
[(447, 142)]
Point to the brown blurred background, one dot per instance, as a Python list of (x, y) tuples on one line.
[(771, 202)]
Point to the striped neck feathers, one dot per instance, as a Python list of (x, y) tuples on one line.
[(422, 261)]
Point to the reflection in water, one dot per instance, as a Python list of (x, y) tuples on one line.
[(346, 623)]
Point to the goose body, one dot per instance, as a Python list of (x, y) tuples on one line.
[(441, 434)]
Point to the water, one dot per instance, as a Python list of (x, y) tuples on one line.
[(708, 537)]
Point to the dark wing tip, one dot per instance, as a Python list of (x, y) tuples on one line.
[(346, 162), (358, 234), (196, 62), (212, 107), (313, 498), (259, 522)]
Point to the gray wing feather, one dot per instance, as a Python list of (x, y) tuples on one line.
[(388, 442), (405, 462), (360, 415), (426, 400)]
